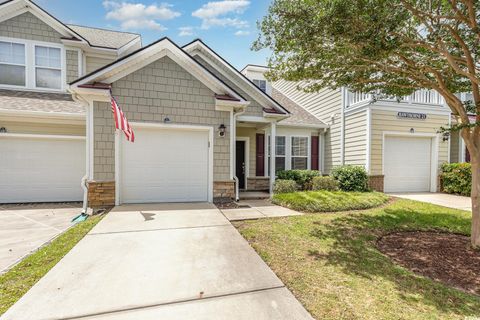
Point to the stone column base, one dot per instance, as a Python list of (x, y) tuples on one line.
[(101, 194), (223, 190), (376, 182), (258, 183)]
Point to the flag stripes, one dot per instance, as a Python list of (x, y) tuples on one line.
[(121, 121)]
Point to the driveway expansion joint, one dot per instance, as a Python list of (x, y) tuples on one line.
[(159, 229)]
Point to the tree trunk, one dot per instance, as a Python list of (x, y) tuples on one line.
[(475, 200)]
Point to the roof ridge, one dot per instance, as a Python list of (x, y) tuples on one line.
[(104, 29)]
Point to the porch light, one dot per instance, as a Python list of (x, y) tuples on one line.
[(445, 136), (166, 120), (221, 130), (3, 130), (412, 130)]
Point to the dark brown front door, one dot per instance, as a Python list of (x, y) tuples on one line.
[(240, 164)]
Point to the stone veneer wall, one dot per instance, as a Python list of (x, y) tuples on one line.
[(224, 189), (376, 182), (258, 183), (101, 194)]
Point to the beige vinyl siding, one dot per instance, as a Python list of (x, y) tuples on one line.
[(42, 128), (356, 138), (94, 63), (454, 146), (28, 26), (158, 90), (72, 65), (254, 108), (323, 104), (383, 120)]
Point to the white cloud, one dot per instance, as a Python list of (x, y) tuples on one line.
[(213, 13), (185, 31), (242, 33), (138, 15)]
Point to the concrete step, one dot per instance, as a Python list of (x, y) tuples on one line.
[(254, 195)]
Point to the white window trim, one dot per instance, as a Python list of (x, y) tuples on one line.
[(30, 67), (267, 153), (288, 151), (309, 158)]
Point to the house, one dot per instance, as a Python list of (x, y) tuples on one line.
[(396, 141), (202, 128)]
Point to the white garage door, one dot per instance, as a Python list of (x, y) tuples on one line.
[(165, 165), (41, 169), (407, 165)]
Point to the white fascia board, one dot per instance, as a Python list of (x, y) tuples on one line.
[(125, 47), (299, 125), (244, 84), (146, 56)]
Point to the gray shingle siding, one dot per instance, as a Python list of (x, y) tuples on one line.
[(27, 26), (161, 89), (72, 65), (254, 109)]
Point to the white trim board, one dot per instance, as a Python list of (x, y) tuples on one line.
[(41, 136)]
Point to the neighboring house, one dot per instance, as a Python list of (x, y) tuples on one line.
[(396, 141), (202, 128)]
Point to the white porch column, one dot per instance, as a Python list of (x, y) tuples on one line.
[(273, 133)]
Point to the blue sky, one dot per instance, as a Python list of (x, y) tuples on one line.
[(229, 27)]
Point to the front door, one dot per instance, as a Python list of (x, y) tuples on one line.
[(240, 164)]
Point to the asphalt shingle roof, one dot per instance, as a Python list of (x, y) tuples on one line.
[(104, 38), (13, 100), (298, 115)]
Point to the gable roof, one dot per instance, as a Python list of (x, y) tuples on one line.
[(93, 37), (241, 77), (299, 116), (103, 37), (146, 55)]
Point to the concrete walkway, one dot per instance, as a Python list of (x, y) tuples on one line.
[(257, 209), (441, 199), (25, 227), (160, 262)]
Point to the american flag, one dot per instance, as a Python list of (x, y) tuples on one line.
[(121, 121)]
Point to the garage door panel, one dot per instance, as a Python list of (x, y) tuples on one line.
[(41, 169), (165, 165), (407, 165)]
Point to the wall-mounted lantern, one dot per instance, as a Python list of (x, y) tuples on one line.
[(222, 130)]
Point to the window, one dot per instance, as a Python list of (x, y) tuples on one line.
[(48, 67), (299, 153), (280, 149), (12, 63), (262, 84)]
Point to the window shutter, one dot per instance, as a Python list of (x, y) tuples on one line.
[(260, 155), (314, 151)]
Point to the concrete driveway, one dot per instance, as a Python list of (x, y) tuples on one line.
[(170, 261), (441, 199), (25, 227)]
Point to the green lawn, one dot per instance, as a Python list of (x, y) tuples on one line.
[(329, 201), (329, 261), (17, 281)]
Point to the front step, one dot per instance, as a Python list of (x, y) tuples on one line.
[(254, 195)]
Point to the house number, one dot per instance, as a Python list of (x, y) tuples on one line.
[(412, 115)]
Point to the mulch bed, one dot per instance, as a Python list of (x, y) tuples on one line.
[(444, 257)]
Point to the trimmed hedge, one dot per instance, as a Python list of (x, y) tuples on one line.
[(284, 186), (324, 183), (457, 178), (302, 177), (351, 178)]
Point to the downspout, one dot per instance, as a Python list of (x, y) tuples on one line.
[(342, 132), (87, 145), (234, 151)]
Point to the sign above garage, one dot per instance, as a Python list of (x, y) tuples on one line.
[(412, 115)]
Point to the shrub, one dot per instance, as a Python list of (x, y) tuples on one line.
[(457, 178), (302, 177), (284, 186), (351, 178), (324, 183)]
